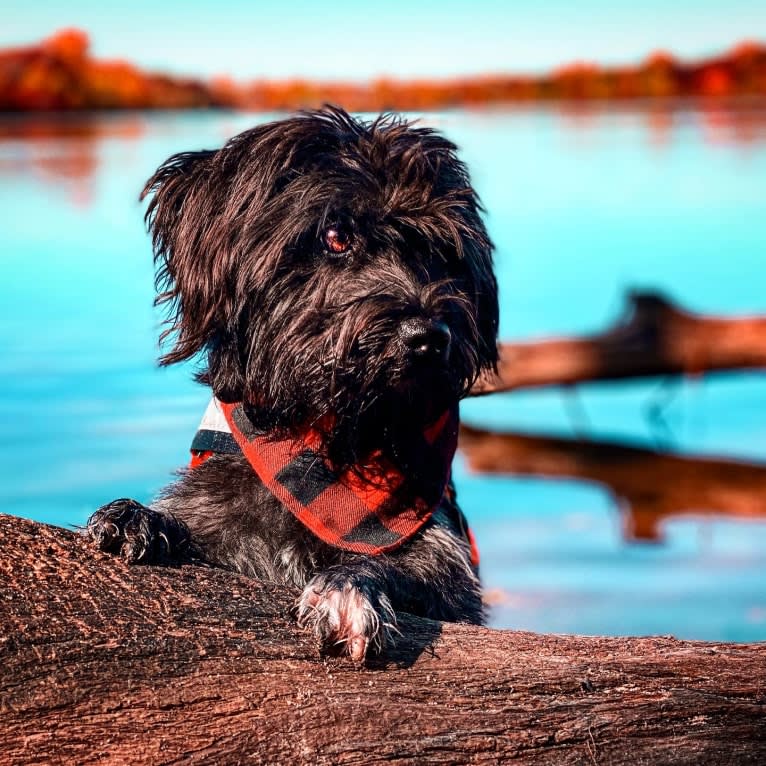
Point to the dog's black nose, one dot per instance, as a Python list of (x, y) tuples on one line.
[(426, 339)]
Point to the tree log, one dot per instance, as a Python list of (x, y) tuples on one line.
[(105, 663), (653, 337), (648, 485)]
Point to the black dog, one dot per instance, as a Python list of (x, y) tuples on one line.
[(337, 277)]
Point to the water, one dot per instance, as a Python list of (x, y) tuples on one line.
[(582, 205)]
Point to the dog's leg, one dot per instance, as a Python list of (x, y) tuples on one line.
[(348, 608), (351, 606), (139, 534), (433, 576)]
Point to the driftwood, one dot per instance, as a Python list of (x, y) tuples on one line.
[(653, 337), (104, 663), (649, 485)]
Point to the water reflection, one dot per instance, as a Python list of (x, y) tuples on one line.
[(662, 122), (648, 486), (62, 151), (91, 126), (66, 150)]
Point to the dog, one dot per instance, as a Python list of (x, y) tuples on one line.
[(335, 279)]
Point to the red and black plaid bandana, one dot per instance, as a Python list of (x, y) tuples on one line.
[(364, 509), (344, 511), (360, 510)]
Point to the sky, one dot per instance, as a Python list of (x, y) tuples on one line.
[(354, 40)]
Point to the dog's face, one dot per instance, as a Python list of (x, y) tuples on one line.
[(327, 267)]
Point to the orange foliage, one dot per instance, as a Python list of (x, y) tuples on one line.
[(68, 44), (716, 81), (59, 74)]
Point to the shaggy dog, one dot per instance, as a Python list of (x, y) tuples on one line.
[(336, 279)]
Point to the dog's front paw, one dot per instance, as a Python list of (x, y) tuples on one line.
[(348, 615), (137, 533)]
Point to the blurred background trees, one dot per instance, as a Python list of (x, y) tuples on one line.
[(60, 74)]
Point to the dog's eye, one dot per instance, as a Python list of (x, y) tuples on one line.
[(337, 239)]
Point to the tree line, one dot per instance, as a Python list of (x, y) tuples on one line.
[(60, 74)]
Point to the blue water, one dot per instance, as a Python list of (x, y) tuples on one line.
[(581, 204)]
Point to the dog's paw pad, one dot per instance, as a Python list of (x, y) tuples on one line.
[(344, 618), (136, 533)]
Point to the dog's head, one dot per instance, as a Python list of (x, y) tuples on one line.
[(327, 267)]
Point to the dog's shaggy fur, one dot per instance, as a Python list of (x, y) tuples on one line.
[(335, 274)]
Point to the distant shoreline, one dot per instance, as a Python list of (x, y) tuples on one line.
[(756, 103), (59, 75)]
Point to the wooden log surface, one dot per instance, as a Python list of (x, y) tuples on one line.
[(652, 337), (105, 663)]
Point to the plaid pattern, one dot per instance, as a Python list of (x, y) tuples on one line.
[(369, 534), (361, 510)]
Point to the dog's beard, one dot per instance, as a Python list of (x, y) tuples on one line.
[(375, 404), (347, 374)]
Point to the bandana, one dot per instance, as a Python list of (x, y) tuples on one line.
[(362, 509)]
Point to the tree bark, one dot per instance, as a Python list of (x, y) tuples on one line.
[(653, 337), (649, 486), (105, 663)]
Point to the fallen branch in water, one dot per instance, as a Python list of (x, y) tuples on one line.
[(649, 486), (653, 337), (105, 663)]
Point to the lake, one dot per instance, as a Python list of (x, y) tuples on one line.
[(583, 204)]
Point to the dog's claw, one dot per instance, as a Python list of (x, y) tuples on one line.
[(346, 617), (357, 648), (138, 534)]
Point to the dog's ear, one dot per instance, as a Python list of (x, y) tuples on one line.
[(225, 370), (458, 211), (487, 306), (477, 259), (190, 253)]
